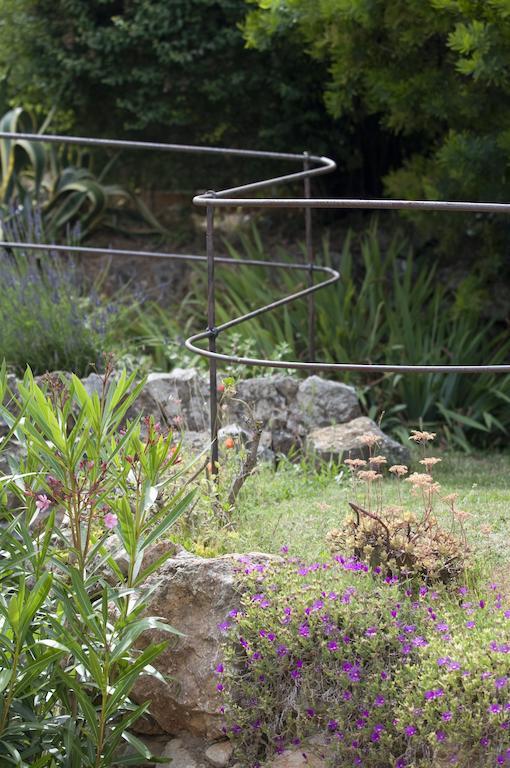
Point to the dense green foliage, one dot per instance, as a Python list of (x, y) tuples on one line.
[(178, 70), (69, 615), (414, 93), (434, 72), (58, 183), (387, 308)]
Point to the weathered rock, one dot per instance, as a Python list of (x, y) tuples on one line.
[(179, 399), (219, 754), (342, 441), (320, 403), (195, 595), (196, 442), (301, 758), (93, 383), (178, 756), (289, 408)]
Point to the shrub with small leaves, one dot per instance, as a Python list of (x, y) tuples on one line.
[(378, 673)]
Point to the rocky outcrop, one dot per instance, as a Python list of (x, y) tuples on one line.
[(287, 407), (344, 441), (195, 595), (323, 415)]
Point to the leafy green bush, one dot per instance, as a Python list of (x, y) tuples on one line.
[(335, 657), (432, 73), (91, 492), (189, 71)]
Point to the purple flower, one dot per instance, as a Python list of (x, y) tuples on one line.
[(410, 730), (310, 712), (440, 735), (379, 701), (501, 682), (220, 669), (224, 626), (332, 646), (446, 716), (332, 725), (284, 550), (434, 694), (494, 709), (282, 650), (304, 630)]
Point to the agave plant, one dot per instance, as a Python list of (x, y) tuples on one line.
[(33, 174)]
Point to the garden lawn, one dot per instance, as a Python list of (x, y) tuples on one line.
[(296, 506)]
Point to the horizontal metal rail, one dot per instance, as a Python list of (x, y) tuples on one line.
[(312, 166)]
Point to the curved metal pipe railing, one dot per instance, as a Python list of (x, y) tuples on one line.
[(312, 166)]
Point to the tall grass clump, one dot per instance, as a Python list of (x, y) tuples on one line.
[(388, 307)]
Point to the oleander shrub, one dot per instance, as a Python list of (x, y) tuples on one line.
[(91, 490), (379, 673)]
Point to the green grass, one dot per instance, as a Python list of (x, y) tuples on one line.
[(296, 506)]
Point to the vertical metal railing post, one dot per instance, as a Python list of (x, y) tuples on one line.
[(310, 257), (211, 327)]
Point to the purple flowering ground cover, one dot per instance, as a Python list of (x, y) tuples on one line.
[(385, 673)]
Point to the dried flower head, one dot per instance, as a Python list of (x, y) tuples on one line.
[(355, 463), (421, 437), (486, 529), (429, 462), (369, 439), (420, 480), (461, 515), (369, 475), (399, 470), (450, 498), (378, 460)]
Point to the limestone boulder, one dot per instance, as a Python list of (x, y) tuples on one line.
[(195, 595), (320, 403), (344, 441), (179, 399)]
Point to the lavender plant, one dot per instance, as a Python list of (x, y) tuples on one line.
[(51, 317)]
